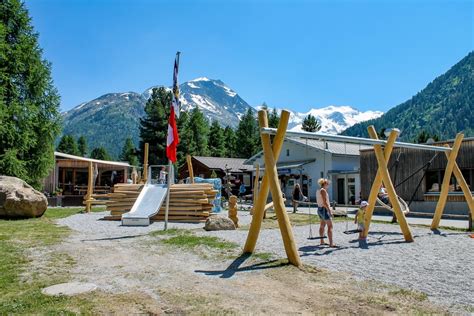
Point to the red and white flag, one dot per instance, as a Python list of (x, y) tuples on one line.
[(172, 140)]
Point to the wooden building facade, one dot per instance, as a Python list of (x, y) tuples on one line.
[(417, 175)]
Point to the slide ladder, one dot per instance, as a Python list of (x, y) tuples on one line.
[(147, 204)]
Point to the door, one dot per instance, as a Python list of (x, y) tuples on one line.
[(340, 191)]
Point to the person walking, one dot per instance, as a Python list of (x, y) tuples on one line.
[(297, 195), (324, 211)]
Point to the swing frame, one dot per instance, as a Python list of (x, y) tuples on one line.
[(270, 182)]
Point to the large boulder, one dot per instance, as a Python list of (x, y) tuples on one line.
[(219, 223), (19, 200)]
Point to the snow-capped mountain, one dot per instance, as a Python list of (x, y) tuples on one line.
[(109, 119), (214, 98), (333, 119)]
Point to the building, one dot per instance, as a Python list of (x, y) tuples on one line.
[(418, 174), (70, 174), (307, 160), (207, 167)]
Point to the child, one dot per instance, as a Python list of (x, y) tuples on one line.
[(360, 219)]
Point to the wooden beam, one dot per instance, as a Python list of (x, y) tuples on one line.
[(255, 187), (443, 196), (259, 207), (90, 188), (190, 168), (145, 164), (378, 178), (278, 203)]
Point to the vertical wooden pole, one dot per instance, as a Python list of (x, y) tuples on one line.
[(145, 164), (90, 185), (378, 178), (255, 187), (259, 207), (443, 196), (392, 194), (190, 168)]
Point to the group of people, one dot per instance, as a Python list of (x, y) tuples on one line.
[(325, 213)]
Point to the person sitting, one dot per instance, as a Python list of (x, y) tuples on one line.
[(360, 219), (383, 195), (242, 191)]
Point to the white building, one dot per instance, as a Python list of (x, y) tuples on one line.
[(307, 160)]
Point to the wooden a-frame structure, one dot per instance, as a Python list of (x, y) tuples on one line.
[(270, 183)]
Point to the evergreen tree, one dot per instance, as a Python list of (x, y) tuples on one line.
[(184, 138), (29, 103), (67, 145), (273, 119), (198, 133), (311, 124), (82, 146), (100, 153), (230, 141), (216, 140), (247, 136), (422, 137), (154, 126), (129, 152)]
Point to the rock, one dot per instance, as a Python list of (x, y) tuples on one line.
[(69, 289), (19, 200), (219, 223)]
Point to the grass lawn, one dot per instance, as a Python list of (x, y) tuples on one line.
[(20, 287)]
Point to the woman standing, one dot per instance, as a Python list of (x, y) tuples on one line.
[(324, 211)]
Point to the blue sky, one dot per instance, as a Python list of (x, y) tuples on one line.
[(299, 55)]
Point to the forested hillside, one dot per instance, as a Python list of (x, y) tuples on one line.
[(443, 108)]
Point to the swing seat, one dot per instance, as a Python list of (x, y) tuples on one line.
[(316, 237), (403, 204), (352, 231)]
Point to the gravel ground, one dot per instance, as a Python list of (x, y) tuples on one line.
[(440, 265)]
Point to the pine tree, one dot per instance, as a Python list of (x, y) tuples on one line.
[(230, 141), (29, 103), (100, 153), (184, 138), (129, 152), (310, 124), (82, 146), (273, 119), (247, 136), (154, 126), (216, 140), (67, 145), (198, 131)]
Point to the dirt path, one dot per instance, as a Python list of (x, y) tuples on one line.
[(138, 273)]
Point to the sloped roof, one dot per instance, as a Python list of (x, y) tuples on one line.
[(337, 148), (235, 164)]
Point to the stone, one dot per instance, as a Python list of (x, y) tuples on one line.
[(69, 289), (19, 200), (219, 223)]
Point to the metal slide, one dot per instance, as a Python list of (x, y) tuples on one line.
[(147, 204)]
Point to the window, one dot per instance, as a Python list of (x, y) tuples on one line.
[(287, 152), (432, 181)]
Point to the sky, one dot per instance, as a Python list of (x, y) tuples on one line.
[(372, 55)]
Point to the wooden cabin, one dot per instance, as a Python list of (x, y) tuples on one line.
[(417, 176), (70, 174)]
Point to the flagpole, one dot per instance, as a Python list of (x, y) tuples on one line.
[(170, 180)]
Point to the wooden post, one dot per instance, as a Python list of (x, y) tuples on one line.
[(278, 203), (90, 188), (145, 164), (378, 178), (259, 207), (465, 189), (255, 187), (443, 196), (392, 194), (190, 168)]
